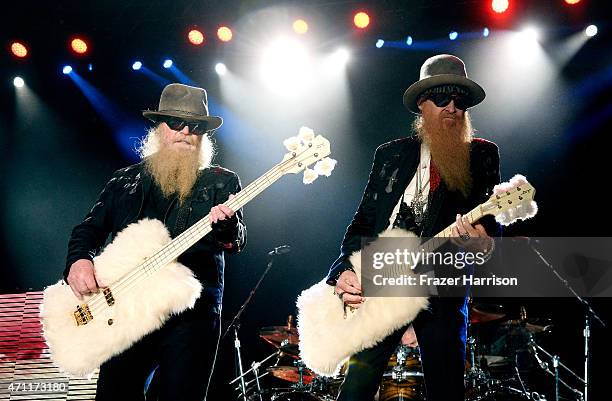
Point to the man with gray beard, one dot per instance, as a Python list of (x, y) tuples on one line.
[(176, 184), (424, 183)]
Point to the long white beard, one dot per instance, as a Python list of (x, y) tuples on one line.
[(175, 171)]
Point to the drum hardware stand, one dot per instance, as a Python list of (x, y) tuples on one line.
[(589, 313), (235, 323), (534, 348)]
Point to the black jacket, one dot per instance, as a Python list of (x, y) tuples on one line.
[(394, 165), (121, 201)]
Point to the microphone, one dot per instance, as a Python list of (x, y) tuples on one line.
[(280, 250)]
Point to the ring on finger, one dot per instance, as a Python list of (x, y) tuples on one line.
[(465, 236)]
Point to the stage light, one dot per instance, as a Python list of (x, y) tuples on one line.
[(167, 63), (224, 34), (19, 50), (529, 34), (486, 32), (286, 67), (90, 67), (453, 35), (591, 31), (137, 65), (300, 26), (380, 43), (220, 69), (18, 82), (572, 2), (195, 37), (361, 20), (341, 57), (78, 45), (409, 40), (67, 69), (499, 6)]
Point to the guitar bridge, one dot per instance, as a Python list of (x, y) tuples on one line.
[(82, 315)]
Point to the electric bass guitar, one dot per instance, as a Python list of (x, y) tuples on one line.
[(141, 282), (328, 336)]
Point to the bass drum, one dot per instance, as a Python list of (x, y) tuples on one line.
[(403, 378)]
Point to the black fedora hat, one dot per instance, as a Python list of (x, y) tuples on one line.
[(443, 69), (188, 103)]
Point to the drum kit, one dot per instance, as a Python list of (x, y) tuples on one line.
[(500, 353)]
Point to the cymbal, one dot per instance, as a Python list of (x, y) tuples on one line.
[(535, 325), (292, 350), (291, 374), (481, 312), (276, 335)]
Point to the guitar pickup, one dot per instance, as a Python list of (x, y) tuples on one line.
[(82, 315), (108, 295)]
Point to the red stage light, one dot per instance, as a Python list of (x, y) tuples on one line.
[(224, 34), (78, 45), (19, 49), (572, 2), (500, 6), (361, 20), (195, 37), (300, 26)]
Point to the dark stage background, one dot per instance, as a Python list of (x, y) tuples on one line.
[(552, 120)]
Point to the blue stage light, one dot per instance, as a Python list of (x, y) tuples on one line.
[(409, 40), (485, 32), (453, 35), (380, 43), (67, 69), (167, 63), (137, 65)]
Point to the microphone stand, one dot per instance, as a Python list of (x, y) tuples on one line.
[(589, 313), (235, 323)]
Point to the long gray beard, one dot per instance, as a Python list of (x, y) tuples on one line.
[(174, 171)]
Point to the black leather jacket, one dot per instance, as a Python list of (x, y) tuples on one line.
[(121, 201), (394, 165)]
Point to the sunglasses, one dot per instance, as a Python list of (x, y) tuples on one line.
[(195, 127), (443, 99)]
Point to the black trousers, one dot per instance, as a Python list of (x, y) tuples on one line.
[(182, 353), (441, 332)]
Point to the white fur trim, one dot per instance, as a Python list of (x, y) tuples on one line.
[(327, 338), (79, 350)]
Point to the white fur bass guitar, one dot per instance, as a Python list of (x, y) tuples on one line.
[(328, 337), (141, 282)]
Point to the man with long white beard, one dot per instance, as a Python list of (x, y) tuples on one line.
[(176, 184), (424, 183)]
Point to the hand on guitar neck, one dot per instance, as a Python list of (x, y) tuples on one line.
[(474, 238)]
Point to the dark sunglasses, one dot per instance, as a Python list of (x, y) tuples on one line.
[(195, 127), (443, 99)]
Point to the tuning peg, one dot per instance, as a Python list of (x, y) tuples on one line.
[(309, 176), (306, 134), (325, 166), (292, 144)]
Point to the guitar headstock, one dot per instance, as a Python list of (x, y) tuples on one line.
[(305, 149), (511, 201)]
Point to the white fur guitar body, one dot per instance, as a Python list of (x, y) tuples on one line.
[(323, 312), (79, 350)]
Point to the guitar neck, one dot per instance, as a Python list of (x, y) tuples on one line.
[(201, 228)]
